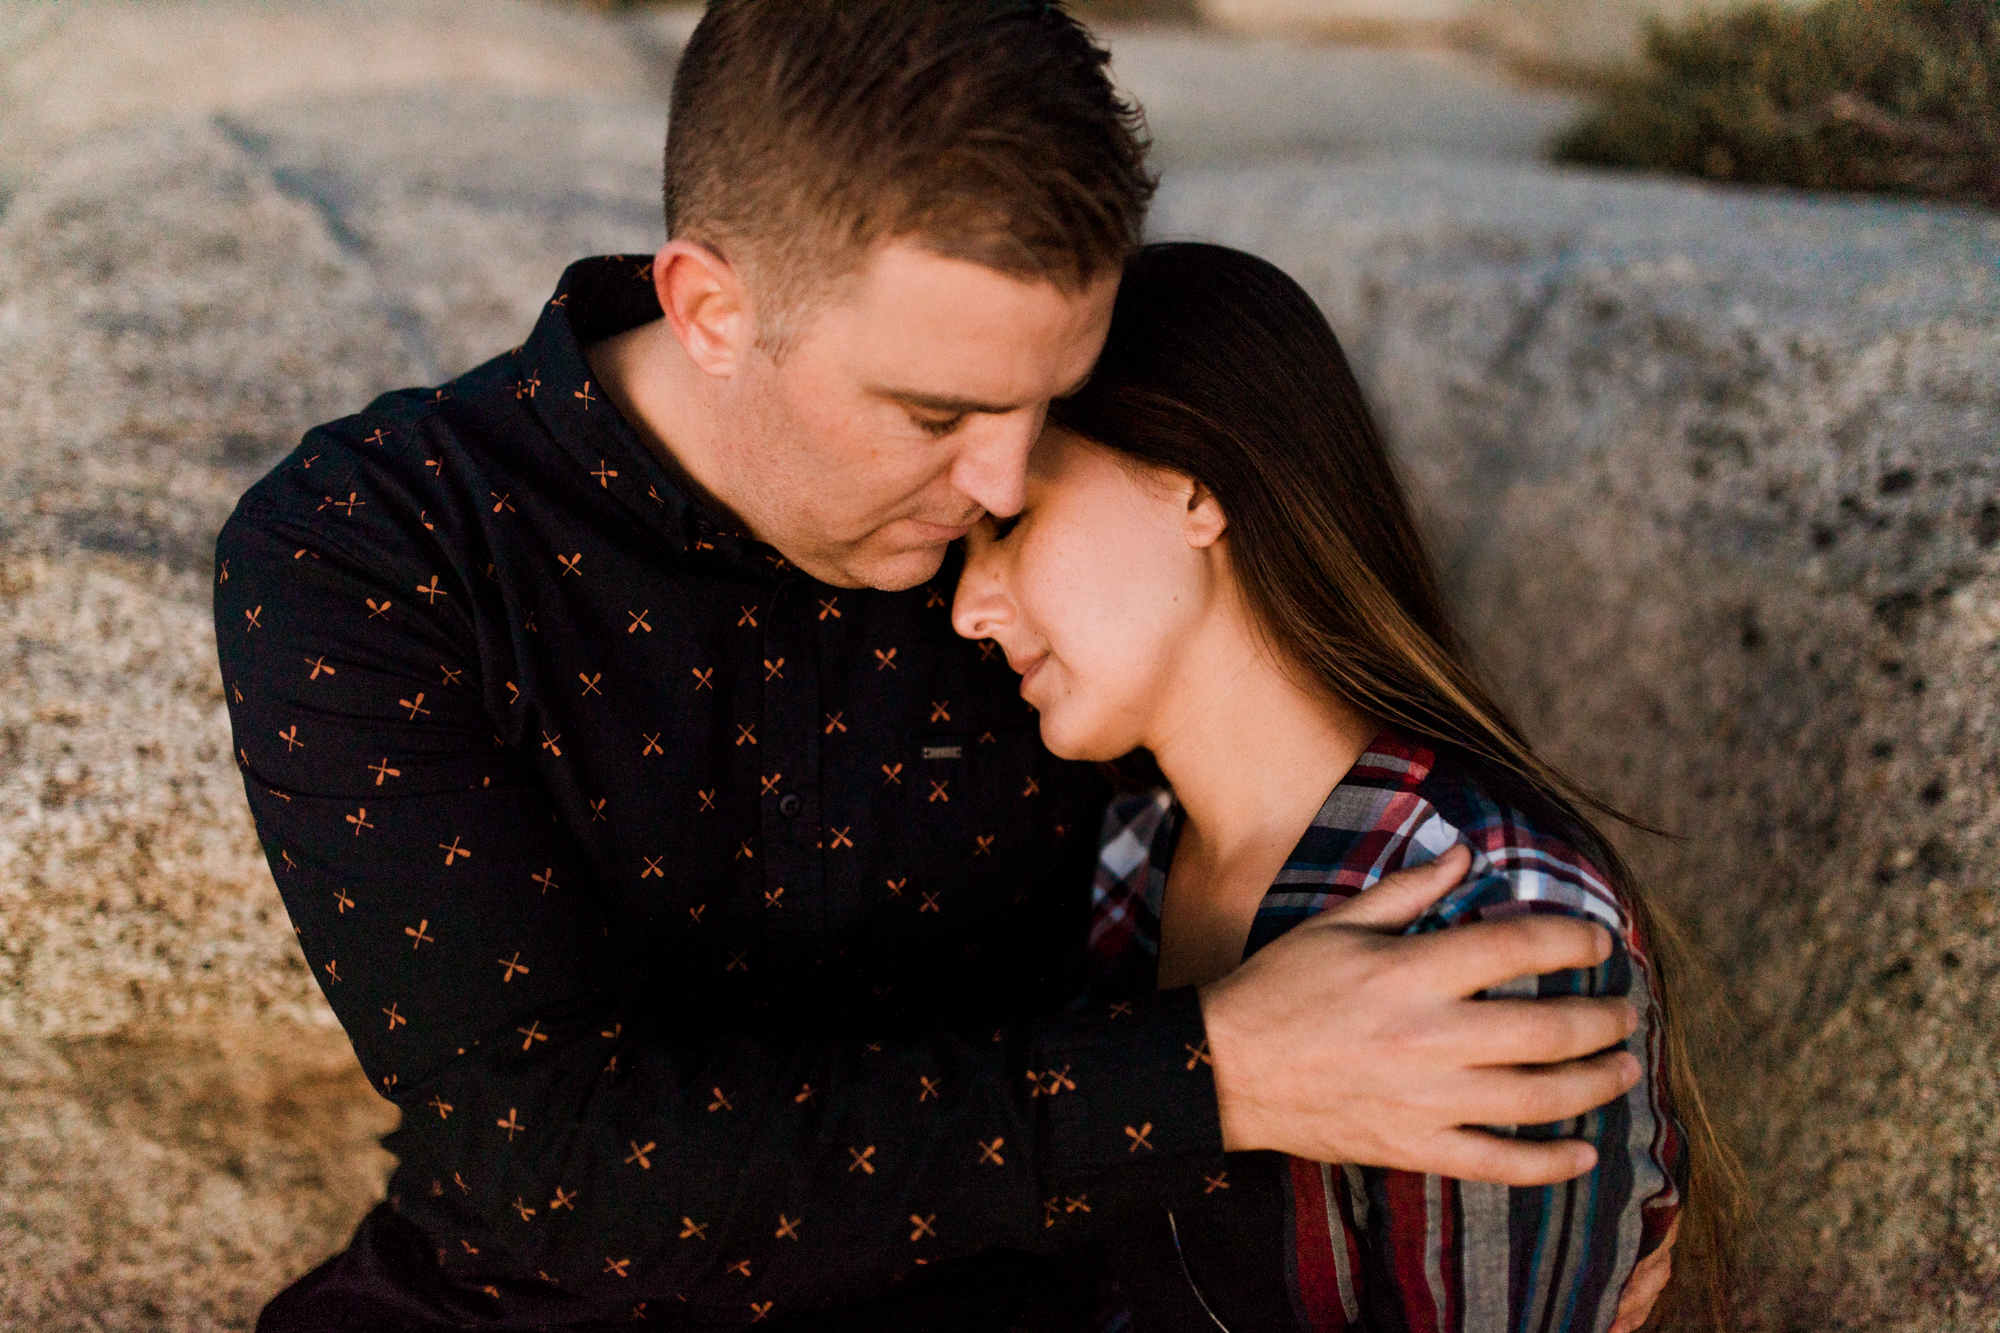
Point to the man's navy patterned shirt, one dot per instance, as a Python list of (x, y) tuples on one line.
[(711, 926)]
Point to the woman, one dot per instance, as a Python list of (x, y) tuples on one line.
[(1216, 568)]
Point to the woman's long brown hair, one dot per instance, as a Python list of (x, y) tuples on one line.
[(1221, 369)]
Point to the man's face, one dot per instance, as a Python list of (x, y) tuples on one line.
[(903, 411)]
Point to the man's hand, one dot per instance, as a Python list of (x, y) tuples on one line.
[(1339, 1043)]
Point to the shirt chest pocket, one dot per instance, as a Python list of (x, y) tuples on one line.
[(970, 802)]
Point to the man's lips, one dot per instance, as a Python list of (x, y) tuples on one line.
[(938, 532)]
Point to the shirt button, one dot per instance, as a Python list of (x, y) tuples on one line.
[(788, 805)]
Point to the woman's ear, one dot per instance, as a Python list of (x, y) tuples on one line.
[(1205, 521), (706, 305)]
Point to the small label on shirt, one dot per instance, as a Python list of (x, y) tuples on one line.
[(944, 752)]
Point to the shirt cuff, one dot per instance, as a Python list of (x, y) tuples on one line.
[(1127, 1093)]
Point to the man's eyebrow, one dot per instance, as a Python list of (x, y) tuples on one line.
[(948, 405)]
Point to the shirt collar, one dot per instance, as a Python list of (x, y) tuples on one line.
[(597, 298), (1371, 797)]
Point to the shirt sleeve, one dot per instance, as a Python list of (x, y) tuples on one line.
[(571, 1147), (1396, 1249)]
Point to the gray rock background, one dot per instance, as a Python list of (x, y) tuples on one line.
[(1553, 34), (1715, 475)]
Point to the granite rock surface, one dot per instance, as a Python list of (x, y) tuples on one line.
[(1714, 472)]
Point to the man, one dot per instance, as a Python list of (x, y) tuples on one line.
[(703, 902)]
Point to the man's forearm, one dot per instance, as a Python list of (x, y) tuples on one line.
[(622, 1160)]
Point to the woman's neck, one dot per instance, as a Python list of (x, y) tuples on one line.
[(1251, 752)]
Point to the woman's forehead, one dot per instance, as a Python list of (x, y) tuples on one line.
[(1055, 452)]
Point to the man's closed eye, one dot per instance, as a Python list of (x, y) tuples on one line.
[(939, 427)]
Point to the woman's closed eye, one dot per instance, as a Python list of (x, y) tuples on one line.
[(1003, 526)]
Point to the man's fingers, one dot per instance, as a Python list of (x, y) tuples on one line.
[(1470, 1154), (1648, 1280), (1396, 900), (1473, 957), (1643, 1288), (1534, 1032), (1543, 1096)]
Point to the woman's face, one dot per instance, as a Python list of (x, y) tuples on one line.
[(1092, 591)]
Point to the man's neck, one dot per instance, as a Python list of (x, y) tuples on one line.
[(671, 406)]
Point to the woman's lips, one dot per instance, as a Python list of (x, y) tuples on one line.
[(1028, 670)]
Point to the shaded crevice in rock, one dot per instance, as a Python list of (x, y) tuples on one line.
[(456, 226), (333, 197), (140, 538), (325, 193)]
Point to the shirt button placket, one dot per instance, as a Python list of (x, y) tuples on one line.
[(794, 859)]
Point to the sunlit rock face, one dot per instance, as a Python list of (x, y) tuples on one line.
[(1715, 480), (1713, 474)]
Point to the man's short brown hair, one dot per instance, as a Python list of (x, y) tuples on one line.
[(804, 132)]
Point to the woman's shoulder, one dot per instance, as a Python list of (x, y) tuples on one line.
[(1523, 861)]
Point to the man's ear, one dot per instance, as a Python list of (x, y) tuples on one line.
[(1205, 521), (706, 304)]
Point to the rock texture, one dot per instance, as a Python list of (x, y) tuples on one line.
[(1716, 481), (1716, 474), (1554, 35), (1213, 100)]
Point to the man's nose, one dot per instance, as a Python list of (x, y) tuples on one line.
[(992, 467), (980, 608)]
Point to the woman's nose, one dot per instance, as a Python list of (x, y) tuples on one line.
[(980, 608)]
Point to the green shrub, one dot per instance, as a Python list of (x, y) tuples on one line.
[(1891, 95)]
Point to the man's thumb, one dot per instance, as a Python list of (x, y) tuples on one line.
[(1397, 900)]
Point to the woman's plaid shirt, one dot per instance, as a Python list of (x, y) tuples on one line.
[(1382, 1249)]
